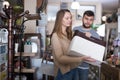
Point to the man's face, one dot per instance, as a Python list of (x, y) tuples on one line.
[(87, 21)]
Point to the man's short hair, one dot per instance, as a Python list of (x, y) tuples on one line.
[(88, 13)]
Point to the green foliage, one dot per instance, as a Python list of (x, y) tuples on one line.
[(95, 26), (17, 5), (18, 9), (16, 2)]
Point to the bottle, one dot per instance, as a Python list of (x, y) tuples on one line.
[(28, 46), (4, 35), (24, 77), (16, 47), (17, 77)]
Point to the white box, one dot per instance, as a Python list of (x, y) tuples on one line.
[(83, 46)]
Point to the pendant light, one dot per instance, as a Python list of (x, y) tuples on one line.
[(6, 4), (75, 5)]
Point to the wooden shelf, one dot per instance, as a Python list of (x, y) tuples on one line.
[(26, 54), (25, 70)]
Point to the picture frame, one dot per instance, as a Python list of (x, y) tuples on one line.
[(83, 8)]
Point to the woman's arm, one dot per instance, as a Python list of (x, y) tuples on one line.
[(58, 53)]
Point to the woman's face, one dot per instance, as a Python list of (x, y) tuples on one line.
[(67, 19)]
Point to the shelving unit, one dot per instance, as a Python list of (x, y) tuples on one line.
[(14, 30), (26, 54), (3, 61), (25, 70), (30, 72)]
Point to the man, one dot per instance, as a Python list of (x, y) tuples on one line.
[(88, 19)]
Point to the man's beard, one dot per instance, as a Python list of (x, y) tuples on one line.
[(86, 26)]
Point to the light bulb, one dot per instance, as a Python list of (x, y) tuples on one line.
[(75, 5), (6, 3)]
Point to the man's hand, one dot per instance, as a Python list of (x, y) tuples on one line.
[(88, 34)]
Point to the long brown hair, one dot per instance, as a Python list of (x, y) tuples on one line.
[(58, 24)]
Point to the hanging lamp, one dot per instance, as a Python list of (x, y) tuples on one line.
[(6, 4), (75, 5)]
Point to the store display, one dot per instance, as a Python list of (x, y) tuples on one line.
[(3, 61)]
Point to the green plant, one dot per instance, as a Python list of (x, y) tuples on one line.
[(17, 5)]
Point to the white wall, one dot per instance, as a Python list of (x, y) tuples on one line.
[(31, 6), (98, 10)]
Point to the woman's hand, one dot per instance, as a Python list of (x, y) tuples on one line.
[(87, 58)]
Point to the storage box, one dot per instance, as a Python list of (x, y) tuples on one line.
[(82, 45)]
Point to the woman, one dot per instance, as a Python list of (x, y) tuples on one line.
[(60, 41)]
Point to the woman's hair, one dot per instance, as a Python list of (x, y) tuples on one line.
[(58, 24)]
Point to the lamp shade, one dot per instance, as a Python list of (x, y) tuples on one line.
[(6, 3), (75, 5), (104, 18)]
